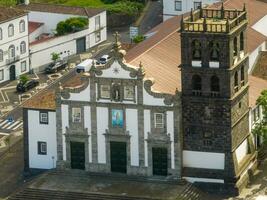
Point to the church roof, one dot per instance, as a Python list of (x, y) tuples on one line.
[(161, 53)]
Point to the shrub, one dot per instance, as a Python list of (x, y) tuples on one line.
[(23, 78), (138, 39), (71, 25), (55, 56)]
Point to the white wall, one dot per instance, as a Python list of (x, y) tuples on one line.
[(147, 129), (50, 20), (170, 130), (42, 133), (206, 160), (254, 55), (132, 127), (82, 96), (169, 7), (241, 151), (102, 124), (150, 100), (36, 33), (87, 124), (205, 180), (65, 124), (15, 40)]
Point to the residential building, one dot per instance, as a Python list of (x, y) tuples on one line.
[(43, 40), (173, 8), (14, 43)]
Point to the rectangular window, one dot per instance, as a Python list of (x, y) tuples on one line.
[(76, 115), (97, 36), (129, 92), (1, 74), (97, 22), (197, 5), (105, 91), (42, 148), (159, 120), (23, 66), (178, 5), (43, 117)]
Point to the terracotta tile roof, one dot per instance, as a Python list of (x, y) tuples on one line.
[(161, 52), (7, 14), (34, 25), (54, 8), (260, 69), (45, 100), (256, 86)]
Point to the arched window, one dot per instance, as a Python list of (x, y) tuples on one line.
[(11, 51), (23, 47), (242, 42), (1, 34), (10, 30), (196, 83), (196, 50), (21, 26), (214, 84), (1, 55), (214, 51), (235, 46)]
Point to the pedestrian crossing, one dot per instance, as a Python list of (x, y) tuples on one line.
[(11, 126)]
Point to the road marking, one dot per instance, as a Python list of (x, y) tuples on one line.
[(3, 122), (20, 124), (14, 124)]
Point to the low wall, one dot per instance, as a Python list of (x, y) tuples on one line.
[(115, 20)]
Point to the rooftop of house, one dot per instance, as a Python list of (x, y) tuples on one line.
[(9, 13), (33, 26), (62, 9)]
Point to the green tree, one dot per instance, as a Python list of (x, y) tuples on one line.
[(260, 128), (55, 56), (139, 38), (23, 78)]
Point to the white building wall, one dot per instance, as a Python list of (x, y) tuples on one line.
[(169, 7), (147, 129), (87, 124), (170, 130), (132, 127), (42, 133), (102, 125), (15, 40), (82, 96), (254, 55), (241, 151), (36, 33), (65, 124), (206, 160), (150, 100)]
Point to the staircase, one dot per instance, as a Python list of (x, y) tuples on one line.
[(192, 193), (39, 194)]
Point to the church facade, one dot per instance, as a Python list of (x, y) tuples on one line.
[(112, 120)]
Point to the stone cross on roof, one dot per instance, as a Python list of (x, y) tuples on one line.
[(117, 44), (117, 37)]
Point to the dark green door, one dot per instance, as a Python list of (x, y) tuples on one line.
[(77, 155), (118, 157), (12, 72), (160, 161), (80, 43)]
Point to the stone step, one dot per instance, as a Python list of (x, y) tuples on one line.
[(122, 177), (39, 194), (191, 193)]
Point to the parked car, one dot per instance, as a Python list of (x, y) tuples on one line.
[(23, 87), (103, 60), (54, 67)]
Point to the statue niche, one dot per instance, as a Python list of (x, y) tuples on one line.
[(116, 92)]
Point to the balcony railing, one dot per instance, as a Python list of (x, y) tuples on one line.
[(12, 60), (197, 92)]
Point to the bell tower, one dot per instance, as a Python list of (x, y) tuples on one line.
[(217, 146)]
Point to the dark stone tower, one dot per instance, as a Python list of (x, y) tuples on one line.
[(215, 96)]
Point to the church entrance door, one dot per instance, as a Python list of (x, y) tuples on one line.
[(160, 161), (77, 155), (118, 157)]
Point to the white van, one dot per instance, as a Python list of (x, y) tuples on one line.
[(85, 66)]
